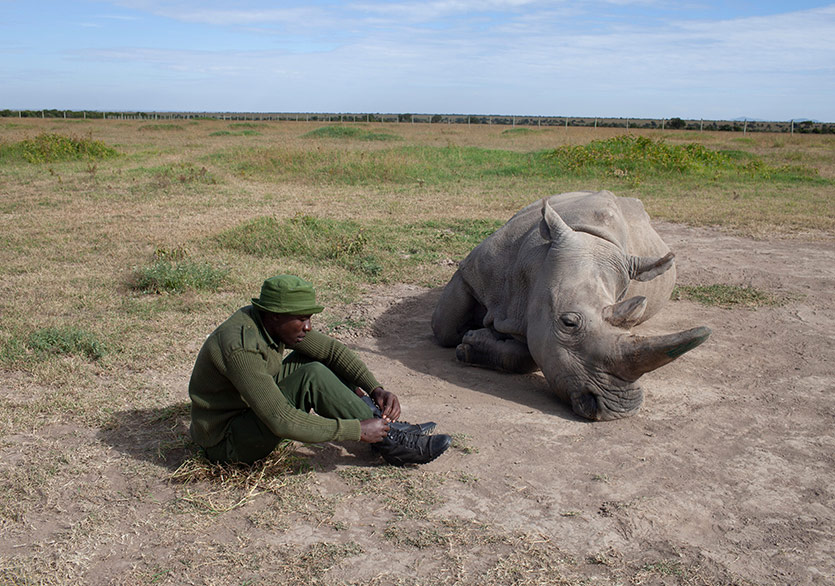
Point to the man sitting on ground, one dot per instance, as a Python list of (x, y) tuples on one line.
[(246, 396)]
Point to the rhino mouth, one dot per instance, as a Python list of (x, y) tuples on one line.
[(601, 403)]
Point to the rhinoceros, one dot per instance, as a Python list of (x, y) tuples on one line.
[(557, 288)]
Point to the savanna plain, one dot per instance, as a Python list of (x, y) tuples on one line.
[(123, 243)]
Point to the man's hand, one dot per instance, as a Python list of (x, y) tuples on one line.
[(387, 402), (373, 430)]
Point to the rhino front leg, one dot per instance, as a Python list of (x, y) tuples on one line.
[(457, 312), (486, 347)]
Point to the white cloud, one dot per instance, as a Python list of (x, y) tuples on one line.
[(498, 56)]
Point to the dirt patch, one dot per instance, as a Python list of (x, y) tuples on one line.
[(724, 477)]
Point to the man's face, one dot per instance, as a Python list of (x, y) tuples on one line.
[(289, 329)]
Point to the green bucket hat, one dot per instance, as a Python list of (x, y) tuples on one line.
[(287, 294)]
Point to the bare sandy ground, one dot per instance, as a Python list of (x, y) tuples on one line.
[(724, 477)]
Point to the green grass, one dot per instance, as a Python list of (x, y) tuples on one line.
[(350, 132), (66, 340), (636, 159), (161, 127), (230, 133), (521, 131), (406, 165), (165, 276), (371, 251), (52, 147), (641, 157), (727, 296)]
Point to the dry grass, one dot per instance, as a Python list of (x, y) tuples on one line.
[(233, 485), (101, 484)]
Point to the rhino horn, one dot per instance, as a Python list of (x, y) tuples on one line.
[(642, 268), (642, 354), (626, 313), (552, 227)]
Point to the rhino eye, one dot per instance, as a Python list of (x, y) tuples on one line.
[(570, 320)]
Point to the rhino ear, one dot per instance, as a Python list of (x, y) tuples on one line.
[(552, 227), (627, 313), (643, 268)]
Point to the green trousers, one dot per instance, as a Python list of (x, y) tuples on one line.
[(309, 386)]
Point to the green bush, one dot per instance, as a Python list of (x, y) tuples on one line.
[(48, 148)]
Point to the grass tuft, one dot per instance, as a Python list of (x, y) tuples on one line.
[(67, 340), (173, 272), (727, 296)]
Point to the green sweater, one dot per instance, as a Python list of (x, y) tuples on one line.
[(236, 370)]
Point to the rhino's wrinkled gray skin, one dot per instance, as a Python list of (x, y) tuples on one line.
[(557, 288)]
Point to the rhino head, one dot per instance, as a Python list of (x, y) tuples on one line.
[(578, 321)]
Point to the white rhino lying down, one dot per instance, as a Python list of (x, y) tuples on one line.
[(557, 288)]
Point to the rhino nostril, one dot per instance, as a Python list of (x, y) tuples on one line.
[(586, 405)]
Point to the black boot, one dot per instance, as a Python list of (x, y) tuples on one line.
[(399, 448), (416, 428), (404, 426)]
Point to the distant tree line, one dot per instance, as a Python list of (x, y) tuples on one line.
[(805, 126)]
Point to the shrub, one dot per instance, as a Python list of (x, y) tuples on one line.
[(48, 148)]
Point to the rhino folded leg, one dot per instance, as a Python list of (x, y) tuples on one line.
[(457, 312), (486, 347)]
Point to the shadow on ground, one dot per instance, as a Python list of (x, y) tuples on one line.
[(161, 436), (404, 333)]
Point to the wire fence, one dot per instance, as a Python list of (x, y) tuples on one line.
[(792, 126)]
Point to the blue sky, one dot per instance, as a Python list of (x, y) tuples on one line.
[(618, 58)]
